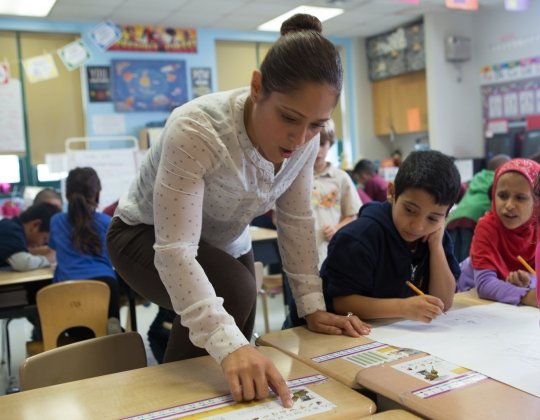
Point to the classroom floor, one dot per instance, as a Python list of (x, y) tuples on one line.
[(20, 330)]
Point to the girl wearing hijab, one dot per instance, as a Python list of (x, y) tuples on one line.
[(505, 232)]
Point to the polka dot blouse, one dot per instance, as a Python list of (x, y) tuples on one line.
[(204, 179)]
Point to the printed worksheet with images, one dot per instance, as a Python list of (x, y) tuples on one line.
[(498, 340)]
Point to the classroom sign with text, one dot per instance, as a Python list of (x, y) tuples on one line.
[(99, 83)]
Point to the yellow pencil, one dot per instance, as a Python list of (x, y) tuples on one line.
[(417, 290), (414, 288), (526, 265)]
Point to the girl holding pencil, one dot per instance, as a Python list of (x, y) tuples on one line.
[(502, 257)]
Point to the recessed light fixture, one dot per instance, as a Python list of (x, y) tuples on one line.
[(37, 8), (322, 13)]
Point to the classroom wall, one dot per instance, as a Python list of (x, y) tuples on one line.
[(503, 36), (454, 102), (455, 113), (455, 122)]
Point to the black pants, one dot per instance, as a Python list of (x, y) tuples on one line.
[(114, 305), (131, 251)]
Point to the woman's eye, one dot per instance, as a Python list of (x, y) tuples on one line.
[(287, 118)]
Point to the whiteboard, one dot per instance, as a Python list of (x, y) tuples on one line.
[(116, 167)]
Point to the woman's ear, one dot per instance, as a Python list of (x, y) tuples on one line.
[(256, 86), (390, 192)]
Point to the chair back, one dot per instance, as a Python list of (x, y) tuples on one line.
[(69, 304), (84, 359)]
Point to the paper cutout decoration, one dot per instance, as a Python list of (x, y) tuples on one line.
[(105, 34), (516, 5), (74, 54), (4, 73), (40, 67), (462, 4)]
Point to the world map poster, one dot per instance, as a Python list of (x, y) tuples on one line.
[(149, 85)]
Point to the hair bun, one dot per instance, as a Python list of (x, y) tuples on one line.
[(301, 22)]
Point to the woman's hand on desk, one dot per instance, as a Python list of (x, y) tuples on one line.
[(329, 323), (249, 374)]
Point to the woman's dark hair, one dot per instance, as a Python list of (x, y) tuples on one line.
[(82, 192), (301, 55)]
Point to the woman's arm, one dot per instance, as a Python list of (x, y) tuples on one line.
[(297, 243)]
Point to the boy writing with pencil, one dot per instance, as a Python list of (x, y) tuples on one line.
[(371, 260)]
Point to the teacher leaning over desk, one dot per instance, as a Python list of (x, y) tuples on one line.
[(180, 236)]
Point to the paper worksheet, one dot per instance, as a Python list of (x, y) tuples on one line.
[(498, 340)]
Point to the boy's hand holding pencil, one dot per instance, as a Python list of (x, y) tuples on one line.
[(425, 309)]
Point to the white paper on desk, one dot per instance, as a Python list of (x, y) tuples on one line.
[(499, 340)]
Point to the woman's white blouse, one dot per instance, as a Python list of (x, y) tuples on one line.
[(204, 179)]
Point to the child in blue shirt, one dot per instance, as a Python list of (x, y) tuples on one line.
[(78, 237), (371, 259)]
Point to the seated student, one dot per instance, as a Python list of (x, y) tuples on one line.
[(49, 195), (475, 202), (78, 237), (370, 182), (18, 236), (505, 232), (371, 259)]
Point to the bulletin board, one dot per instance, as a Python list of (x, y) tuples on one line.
[(116, 166), (149, 85)]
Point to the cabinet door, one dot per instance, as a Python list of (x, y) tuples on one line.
[(382, 106), (409, 103)]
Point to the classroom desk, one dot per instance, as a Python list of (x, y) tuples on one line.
[(26, 280), (487, 399), (18, 277), (163, 386), (305, 345), (265, 245)]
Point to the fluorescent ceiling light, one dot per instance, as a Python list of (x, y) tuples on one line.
[(38, 8), (322, 13)]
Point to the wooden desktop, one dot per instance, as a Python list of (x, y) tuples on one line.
[(165, 386)]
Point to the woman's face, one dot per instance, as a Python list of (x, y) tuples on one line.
[(281, 123), (514, 201)]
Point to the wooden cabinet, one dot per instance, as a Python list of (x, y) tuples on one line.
[(400, 104)]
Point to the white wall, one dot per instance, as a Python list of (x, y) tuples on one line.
[(454, 101), (454, 107), (504, 36), (367, 144)]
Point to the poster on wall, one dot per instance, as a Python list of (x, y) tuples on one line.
[(11, 117), (105, 34), (145, 38), (74, 54), (201, 81), (511, 100), (396, 52), (141, 85), (99, 83), (39, 68)]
